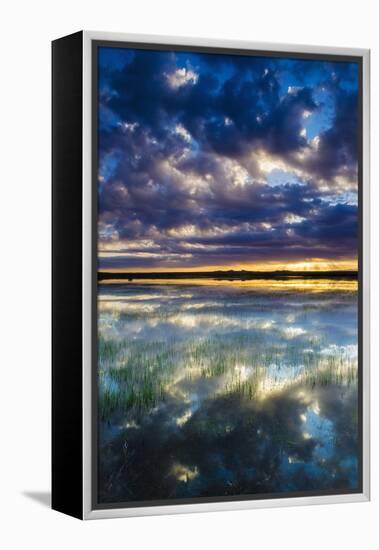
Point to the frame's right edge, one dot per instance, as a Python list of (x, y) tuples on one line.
[(366, 273)]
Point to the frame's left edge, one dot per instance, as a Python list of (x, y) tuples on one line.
[(87, 277), (66, 414), (88, 511)]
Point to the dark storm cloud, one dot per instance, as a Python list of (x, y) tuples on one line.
[(339, 144), (141, 92), (259, 116), (179, 143)]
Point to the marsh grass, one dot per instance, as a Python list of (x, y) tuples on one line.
[(335, 370), (135, 374)]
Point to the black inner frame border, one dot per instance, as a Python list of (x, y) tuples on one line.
[(95, 45)]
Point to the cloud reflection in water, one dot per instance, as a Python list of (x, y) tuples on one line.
[(224, 390)]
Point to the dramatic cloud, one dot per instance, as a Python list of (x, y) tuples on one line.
[(214, 160)]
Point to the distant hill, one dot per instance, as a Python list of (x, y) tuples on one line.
[(231, 274)]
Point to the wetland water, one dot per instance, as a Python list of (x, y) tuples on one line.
[(216, 388)]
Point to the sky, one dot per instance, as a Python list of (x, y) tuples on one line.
[(210, 161)]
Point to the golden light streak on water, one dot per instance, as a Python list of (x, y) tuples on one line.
[(293, 284)]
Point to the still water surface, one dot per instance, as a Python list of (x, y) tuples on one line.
[(213, 388)]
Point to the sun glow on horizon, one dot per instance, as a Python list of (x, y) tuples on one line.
[(314, 264)]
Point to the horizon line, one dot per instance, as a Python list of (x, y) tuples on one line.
[(295, 271)]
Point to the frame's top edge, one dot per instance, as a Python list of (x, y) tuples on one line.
[(225, 43)]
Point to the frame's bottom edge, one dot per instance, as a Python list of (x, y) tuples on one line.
[(109, 513)]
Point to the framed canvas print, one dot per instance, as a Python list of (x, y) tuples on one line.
[(210, 275)]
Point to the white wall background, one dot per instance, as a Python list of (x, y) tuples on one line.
[(27, 27)]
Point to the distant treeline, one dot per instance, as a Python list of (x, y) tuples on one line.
[(232, 275)]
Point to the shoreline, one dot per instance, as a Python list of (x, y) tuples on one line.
[(231, 275)]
